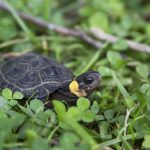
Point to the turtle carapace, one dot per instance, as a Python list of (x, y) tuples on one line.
[(39, 77)]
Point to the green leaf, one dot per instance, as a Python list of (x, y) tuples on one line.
[(115, 59), (22, 47), (145, 88), (60, 109), (83, 104), (109, 114), (39, 144), (104, 128), (105, 71), (18, 95), (3, 102), (26, 110), (13, 102), (51, 115), (36, 105), (121, 119), (120, 45), (88, 116), (95, 107), (7, 93), (73, 112), (69, 140), (100, 20), (99, 117), (142, 70), (7, 29), (142, 99), (5, 128), (146, 143), (31, 134)]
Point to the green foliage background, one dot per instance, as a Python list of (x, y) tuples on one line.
[(117, 114)]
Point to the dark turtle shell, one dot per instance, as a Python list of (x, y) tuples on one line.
[(33, 75)]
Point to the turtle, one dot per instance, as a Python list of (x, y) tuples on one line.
[(37, 76)]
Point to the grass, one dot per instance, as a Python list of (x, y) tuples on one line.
[(117, 114)]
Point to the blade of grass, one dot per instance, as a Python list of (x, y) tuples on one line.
[(125, 143), (94, 58), (21, 23), (91, 62), (128, 99), (38, 38), (26, 111), (13, 145), (82, 133), (47, 8), (13, 42), (52, 133), (118, 140)]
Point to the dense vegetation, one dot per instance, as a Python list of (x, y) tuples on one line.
[(117, 115)]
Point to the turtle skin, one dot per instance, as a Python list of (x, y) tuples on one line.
[(34, 75)]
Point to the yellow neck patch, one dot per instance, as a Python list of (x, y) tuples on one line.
[(74, 88)]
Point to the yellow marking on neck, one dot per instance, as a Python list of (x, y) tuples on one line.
[(74, 88)]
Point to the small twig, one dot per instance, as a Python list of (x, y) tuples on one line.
[(126, 121), (112, 39), (77, 33)]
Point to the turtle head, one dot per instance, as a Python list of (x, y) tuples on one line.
[(84, 84)]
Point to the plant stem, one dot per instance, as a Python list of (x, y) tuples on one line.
[(128, 99), (52, 133), (118, 140), (82, 133), (10, 145), (91, 62)]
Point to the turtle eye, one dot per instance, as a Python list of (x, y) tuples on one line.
[(88, 80)]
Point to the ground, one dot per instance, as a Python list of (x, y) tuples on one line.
[(102, 35)]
